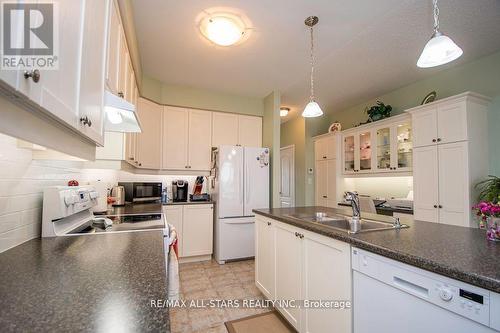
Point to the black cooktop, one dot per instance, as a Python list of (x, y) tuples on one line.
[(116, 223)]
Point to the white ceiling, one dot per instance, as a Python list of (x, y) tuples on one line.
[(364, 48)]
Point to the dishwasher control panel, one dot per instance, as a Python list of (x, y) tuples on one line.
[(455, 296)]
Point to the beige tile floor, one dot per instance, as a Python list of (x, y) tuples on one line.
[(209, 280)]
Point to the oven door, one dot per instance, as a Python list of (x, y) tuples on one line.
[(146, 192)]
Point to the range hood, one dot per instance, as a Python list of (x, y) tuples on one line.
[(120, 115)]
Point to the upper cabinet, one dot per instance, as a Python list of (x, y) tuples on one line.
[(186, 139), (113, 56), (325, 147), (249, 131), (73, 93), (224, 129), (450, 157), (236, 130), (148, 143), (91, 98), (382, 147), (441, 123)]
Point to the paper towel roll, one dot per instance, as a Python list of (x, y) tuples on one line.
[(102, 202)]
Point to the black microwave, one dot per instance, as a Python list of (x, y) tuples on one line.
[(142, 192)]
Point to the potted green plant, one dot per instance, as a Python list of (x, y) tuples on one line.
[(379, 111), (489, 189)]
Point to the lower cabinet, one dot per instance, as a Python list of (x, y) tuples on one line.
[(194, 226), (295, 264), (264, 256)]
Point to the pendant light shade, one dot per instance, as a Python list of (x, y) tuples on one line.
[(312, 108), (440, 49)]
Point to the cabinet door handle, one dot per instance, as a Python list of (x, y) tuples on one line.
[(325, 196), (324, 157), (268, 223), (435, 206), (296, 234), (439, 140), (440, 206), (434, 140), (33, 74), (301, 236), (121, 94)]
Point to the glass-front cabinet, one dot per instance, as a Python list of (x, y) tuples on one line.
[(349, 152), (381, 147), (404, 147)]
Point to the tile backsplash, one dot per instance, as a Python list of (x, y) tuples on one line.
[(23, 179)]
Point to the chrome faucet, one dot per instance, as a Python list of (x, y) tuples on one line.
[(353, 198)]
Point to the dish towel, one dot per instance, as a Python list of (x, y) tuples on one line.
[(173, 267)]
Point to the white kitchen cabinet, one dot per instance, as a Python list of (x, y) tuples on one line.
[(453, 184), (425, 183), (288, 270), (452, 157), (174, 215), (265, 256), (224, 129), (301, 265), (325, 147), (175, 138), (113, 59), (199, 140), (58, 90), (123, 66), (148, 142), (326, 183), (249, 131), (194, 226), (93, 67), (425, 127), (232, 129), (326, 275), (186, 139), (197, 230), (381, 147)]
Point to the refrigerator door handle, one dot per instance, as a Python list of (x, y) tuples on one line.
[(247, 183)]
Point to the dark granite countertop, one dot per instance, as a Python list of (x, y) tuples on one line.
[(147, 208), (456, 252), (92, 283), (143, 208), (171, 203), (384, 210)]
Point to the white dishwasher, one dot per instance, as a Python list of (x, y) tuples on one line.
[(390, 297)]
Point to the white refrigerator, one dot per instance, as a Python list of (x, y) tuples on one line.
[(241, 185)]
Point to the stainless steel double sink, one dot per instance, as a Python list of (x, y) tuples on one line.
[(344, 222)]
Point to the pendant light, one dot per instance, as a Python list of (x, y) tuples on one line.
[(312, 108), (440, 49)]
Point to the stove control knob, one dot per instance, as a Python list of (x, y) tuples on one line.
[(69, 200), (445, 294)]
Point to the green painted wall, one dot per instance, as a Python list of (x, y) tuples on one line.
[(201, 99), (293, 132), (481, 76), (271, 139)]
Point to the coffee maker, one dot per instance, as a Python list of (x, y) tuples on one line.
[(179, 190)]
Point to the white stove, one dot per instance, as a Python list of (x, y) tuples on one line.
[(67, 211)]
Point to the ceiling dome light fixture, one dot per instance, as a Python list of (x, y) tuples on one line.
[(284, 111), (312, 108), (440, 49), (223, 29)]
